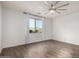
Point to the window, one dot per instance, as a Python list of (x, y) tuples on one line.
[(35, 26)]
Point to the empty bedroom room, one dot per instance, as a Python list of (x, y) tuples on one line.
[(39, 29)]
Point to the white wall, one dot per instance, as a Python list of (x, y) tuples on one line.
[(14, 27), (0, 25), (47, 29), (66, 28)]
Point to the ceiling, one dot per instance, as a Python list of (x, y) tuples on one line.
[(38, 7)]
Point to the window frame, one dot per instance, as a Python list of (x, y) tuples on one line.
[(35, 26)]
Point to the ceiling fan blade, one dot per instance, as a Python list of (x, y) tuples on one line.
[(63, 5), (45, 2), (56, 3), (57, 11), (45, 13), (62, 9)]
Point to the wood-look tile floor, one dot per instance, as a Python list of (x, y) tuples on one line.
[(45, 49)]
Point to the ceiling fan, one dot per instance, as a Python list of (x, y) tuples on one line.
[(54, 7)]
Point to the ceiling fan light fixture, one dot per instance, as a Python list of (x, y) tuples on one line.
[(55, 7), (52, 11)]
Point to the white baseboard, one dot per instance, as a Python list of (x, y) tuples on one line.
[(65, 42)]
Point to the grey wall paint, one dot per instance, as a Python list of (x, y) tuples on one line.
[(66, 28), (15, 29)]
